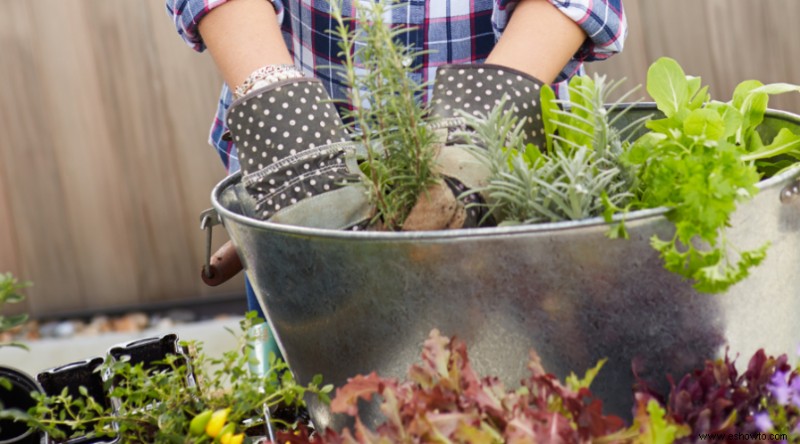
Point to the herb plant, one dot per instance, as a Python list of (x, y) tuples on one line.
[(164, 406), (386, 111), (700, 161), (10, 289), (567, 179)]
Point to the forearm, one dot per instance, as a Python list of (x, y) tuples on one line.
[(242, 36), (539, 40)]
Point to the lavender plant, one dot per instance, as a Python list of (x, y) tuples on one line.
[(574, 174)]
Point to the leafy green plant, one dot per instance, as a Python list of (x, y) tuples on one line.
[(571, 176), (700, 161), (10, 289), (387, 113), (159, 406), (443, 399)]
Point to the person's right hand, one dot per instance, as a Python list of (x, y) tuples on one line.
[(295, 156)]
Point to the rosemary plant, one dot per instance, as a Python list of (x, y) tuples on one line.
[(575, 175), (387, 115)]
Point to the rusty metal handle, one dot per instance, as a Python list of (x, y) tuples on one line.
[(225, 262), (224, 265)]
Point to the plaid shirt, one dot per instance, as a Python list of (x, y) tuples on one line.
[(455, 31)]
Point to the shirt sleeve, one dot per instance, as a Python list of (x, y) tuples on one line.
[(186, 15), (603, 21)]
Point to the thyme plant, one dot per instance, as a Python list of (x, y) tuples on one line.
[(387, 115), (159, 406), (575, 175)]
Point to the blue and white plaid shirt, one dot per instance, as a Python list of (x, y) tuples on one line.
[(454, 31)]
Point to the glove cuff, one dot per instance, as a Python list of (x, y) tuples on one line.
[(478, 88), (282, 119)]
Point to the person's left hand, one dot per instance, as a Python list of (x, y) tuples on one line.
[(477, 89)]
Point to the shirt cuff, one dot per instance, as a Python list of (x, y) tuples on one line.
[(604, 23), (186, 15)]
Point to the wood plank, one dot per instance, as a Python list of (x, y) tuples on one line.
[(89, 165), (31, 168)]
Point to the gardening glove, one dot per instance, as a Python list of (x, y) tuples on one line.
[(477, 89), (295, 157)]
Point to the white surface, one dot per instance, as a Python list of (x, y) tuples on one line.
[(48, 353)]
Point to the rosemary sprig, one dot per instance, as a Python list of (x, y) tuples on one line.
[(386, 110)]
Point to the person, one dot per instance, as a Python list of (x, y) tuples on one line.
[(272, 49)]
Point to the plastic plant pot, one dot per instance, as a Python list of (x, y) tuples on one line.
[(19, 398), (73, 376)]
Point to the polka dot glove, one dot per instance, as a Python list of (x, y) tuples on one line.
[(296, 159), (477, 89)]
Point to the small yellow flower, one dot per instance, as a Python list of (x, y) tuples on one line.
[(217, 422), (230, 438)]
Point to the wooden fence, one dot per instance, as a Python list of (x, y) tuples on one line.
[(722, 41), (104, 165)]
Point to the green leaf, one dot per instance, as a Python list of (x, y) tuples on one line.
[(661, 126), (641, 151), (616, 230), (667, 84), (753, 111), (730, 115), (698, 94), (718, 277), (777, 88), (581, 111), (532, 155), (705, 123), (656, 428), (785, 142), (576, 383), (549, 108), (13, 298), (13, 321), (742, 91)]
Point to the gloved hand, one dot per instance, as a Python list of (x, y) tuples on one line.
[(295, 156), (476, 89)]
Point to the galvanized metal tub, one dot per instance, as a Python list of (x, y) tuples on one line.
[(344, 303)]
